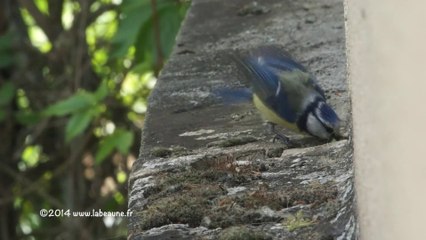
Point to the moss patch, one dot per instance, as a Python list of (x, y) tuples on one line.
[(197, 195), (242, 233), (297, 221), (188, 206), (276, 200)]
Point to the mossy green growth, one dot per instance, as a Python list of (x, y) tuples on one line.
[(188, 207), (297, 221), (242, 233)]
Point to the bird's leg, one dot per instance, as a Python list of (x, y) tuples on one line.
[(278, 135)]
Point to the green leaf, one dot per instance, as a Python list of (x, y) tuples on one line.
[(136, 29), (141, 68), (75, 103), (106, 147), (78, 123), (31, 155), (129, 5), (170, 17), (7, 92), (125, 140), (121, 140), (102, 91), (170, 21), (6, 60), (2, 115), (121, 177), (6, 41), (42, 5), (136, 14), (27, 118)]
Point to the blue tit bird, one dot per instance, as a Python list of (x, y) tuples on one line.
[(286, 94)]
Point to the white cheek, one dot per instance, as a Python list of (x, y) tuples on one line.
[(318, 113), (315, 127), (317, 109)]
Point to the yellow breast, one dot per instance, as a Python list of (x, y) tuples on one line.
[(271, 116)]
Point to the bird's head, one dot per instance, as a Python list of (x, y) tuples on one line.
[(322, 121)]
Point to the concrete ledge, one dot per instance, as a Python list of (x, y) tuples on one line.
[(386, 54), (208, 169)]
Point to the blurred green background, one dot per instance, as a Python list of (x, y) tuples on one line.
[(74, 81)]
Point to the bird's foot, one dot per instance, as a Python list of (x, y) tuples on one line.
[(280, 137)]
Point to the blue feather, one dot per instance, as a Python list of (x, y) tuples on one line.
[(279, 59), (234, 96), (329, 116), (286, 93), (266, 85)]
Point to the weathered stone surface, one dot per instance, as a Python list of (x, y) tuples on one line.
[(208, 169)]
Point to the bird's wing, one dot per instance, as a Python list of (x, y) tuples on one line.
[(279, 59), (268, 87)]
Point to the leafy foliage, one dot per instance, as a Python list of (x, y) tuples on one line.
[(7, 92), (6, 55), (74, 81), (120, 140), (140, 26)]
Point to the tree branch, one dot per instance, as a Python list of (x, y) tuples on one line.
[(33, 187), (80, 30), (55, 16)]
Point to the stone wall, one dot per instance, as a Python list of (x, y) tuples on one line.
[(386, 70), (208, 169)]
